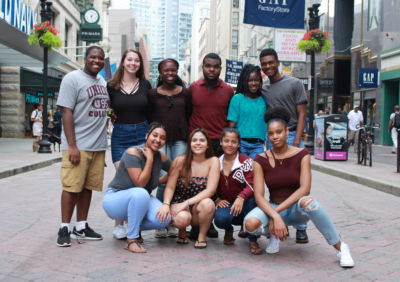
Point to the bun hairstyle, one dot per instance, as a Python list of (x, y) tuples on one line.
[(279, 114)]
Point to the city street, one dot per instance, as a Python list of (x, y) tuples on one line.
[(368, 220)]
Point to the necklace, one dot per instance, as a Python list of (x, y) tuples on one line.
[(275, 159)]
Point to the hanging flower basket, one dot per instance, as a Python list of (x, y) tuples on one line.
[(45, 35), (316, 41)]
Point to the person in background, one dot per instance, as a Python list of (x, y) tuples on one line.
[(170, 104), (128, 96), (210, 99), (37, 125), (356, 119), (287, 92), (392, 130)]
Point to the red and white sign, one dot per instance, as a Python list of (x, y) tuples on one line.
[(286, 45)]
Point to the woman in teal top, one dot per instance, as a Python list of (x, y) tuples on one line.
[(246, 111)]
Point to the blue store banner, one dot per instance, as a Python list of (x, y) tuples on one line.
[(368, 78), (275, 13), (233, 69)]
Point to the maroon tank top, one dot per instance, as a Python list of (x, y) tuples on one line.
[(283, 179)]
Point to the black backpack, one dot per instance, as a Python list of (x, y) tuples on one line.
[(396, 121)]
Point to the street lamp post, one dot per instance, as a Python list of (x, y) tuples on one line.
[(313, 23), (45, 15)]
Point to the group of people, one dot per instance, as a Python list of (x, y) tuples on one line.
[(201, 147)]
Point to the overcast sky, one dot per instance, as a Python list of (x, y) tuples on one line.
[(120, 4)]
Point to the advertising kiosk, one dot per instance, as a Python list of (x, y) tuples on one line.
[(330, 138)]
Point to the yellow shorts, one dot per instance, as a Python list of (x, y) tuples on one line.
[(88, 174)]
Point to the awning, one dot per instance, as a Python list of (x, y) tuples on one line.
[(16, 51)]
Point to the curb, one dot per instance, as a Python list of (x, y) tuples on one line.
[(379, 185), (26, 168)]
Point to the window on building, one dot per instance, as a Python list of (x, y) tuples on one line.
[(234, 53), (235, 36), (66, 34), (235, 3), (235, 18)]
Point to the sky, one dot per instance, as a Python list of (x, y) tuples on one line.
[(120, 4)]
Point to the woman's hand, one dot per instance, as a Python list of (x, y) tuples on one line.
[(221, 204), (180, 207), (163, 213), (237, 206), (278, 228), (147, 153)]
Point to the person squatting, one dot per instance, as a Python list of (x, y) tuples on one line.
[(202, 147)]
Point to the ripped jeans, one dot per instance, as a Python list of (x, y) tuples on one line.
[(296, 215)]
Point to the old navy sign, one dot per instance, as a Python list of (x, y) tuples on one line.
[(368, 78), (275, 13), (18, 14)]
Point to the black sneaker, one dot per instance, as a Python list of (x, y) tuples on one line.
[(64, 239), (301, 237), (87, 234), (194, 233), (212, 232)]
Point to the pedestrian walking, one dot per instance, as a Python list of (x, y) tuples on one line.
[(129, 194), (128, 98), (193, 180), (37, 126), (286, 171), (393, 131), (84, 102), (170, 103), (289, 93), (246, 111), (356, 119), (235, 197)]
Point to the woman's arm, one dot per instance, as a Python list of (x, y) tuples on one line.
[(137, 175), (305, 185)]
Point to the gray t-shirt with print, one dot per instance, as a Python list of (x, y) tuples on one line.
[(287, 92), (123, 181), (87, 96)]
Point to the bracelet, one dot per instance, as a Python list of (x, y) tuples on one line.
[(166, 204)]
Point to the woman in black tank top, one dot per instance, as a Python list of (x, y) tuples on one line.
[(289, 203)]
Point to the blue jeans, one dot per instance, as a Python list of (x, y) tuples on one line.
[(125, 136), (251, 149), (290, 141), (172, 150), (136, 206), (296, 215), (224, 219)]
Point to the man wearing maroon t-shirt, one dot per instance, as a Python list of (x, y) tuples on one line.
[(210, 98)]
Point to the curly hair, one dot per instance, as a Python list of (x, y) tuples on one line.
[(279, 114), (243, 81)]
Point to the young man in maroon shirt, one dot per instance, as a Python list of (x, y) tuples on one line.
[(210, 99)]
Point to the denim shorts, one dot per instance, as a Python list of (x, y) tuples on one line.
[(125, 136)]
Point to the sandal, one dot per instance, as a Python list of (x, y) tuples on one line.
[(140, 248), (228, 239), (198, 246), (255, 248), (140, 240), (182, 240)]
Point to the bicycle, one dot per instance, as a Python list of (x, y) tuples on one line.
[(364, 147)]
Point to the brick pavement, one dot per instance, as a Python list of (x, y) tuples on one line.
[(368, 220)]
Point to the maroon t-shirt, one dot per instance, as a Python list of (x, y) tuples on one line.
[(210, 107)]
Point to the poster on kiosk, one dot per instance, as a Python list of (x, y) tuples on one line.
[(330, 138)]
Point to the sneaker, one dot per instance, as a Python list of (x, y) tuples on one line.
[(64, 237), (172, 231), (212, 232), (345, 256), (87, 234), (273, 245), (120, 232), (301, 236), (161, 233), (194, 233)]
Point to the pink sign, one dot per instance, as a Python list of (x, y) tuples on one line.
[(335, 155)]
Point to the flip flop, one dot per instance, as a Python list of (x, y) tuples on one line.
[(200, 242), (182, 240)]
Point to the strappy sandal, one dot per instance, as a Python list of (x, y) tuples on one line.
[(140, 247), (197, 246), (255, 248), (182, 240), (140, 240)]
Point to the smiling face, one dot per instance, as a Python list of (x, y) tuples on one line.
[(131, 63), (199, 143), (156, 139), (254, 82), (270, 66), (211, 68), (169, 72), (94, 61), (277, 133), (230, 143)]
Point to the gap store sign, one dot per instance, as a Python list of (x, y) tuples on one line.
[(18, 14)]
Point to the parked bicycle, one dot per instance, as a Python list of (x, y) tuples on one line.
[(364, 149)]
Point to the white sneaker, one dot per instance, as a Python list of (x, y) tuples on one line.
[(273, 245), (345, 256), (161, 233), (172, 231), (120, 232)]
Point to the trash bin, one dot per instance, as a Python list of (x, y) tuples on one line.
[(330, 138)]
